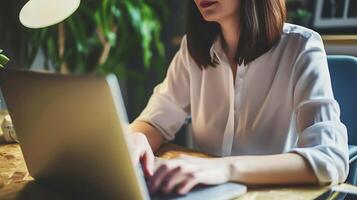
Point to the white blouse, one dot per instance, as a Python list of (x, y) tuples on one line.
[(281, 102)]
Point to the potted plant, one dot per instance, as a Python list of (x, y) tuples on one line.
[(109, 36), (300, 12), (102, 36)]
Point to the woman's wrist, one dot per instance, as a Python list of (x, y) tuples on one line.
[(225, 168), (228, 168), (234, 167)]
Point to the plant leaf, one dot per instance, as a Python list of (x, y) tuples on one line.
[(3, 59)]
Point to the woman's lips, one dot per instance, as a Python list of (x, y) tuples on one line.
[(206, 4)]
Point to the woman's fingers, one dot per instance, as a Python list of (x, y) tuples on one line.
[(142, 153), (187, 185), (160, 174), (147, 162), (164, 172), (136, 156), (182, 174), (173, 179)]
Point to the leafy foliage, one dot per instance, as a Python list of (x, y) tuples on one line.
[(299, 11), (3, 59), (102, 37)]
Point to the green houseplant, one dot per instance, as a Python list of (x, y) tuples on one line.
[(108, 36), (299, 12), (102, 37)]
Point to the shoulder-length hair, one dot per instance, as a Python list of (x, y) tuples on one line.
[(261, 25)]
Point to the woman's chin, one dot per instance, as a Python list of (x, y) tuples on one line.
[(210, 18)]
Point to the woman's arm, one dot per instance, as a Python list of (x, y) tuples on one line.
[(288, 168), (184, 173), (165, 112), (152, 134)]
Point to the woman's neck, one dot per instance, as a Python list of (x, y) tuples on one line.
[(230, 34)]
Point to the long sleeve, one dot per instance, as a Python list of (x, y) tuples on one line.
[(168, 106), (322, 138)]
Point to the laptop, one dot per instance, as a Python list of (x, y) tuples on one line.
[(73, 133)]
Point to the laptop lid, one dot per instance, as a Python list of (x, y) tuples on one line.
[(73, 132)]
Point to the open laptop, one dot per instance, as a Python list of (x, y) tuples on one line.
[(73, 134)]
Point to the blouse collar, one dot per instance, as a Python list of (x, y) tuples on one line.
[(216, 50)]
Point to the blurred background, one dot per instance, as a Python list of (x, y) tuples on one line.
[(136, 39)]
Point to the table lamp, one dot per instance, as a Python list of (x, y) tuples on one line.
[(43, 13)]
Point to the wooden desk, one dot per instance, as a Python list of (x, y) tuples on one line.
[(16, 183)]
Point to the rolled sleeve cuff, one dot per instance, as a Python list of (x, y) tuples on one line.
[(322, 165), (164, 115), (329, 159)]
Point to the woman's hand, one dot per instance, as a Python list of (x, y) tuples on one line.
[(143, 153), (183, 173)]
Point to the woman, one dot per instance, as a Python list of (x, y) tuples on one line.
[(260, 98)]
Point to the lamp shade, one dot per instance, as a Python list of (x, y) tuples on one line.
[(43, 13)]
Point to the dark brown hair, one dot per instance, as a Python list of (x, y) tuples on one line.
[(261, 25)]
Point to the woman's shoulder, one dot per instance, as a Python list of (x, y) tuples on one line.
[(296, 32), (301, 38)]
